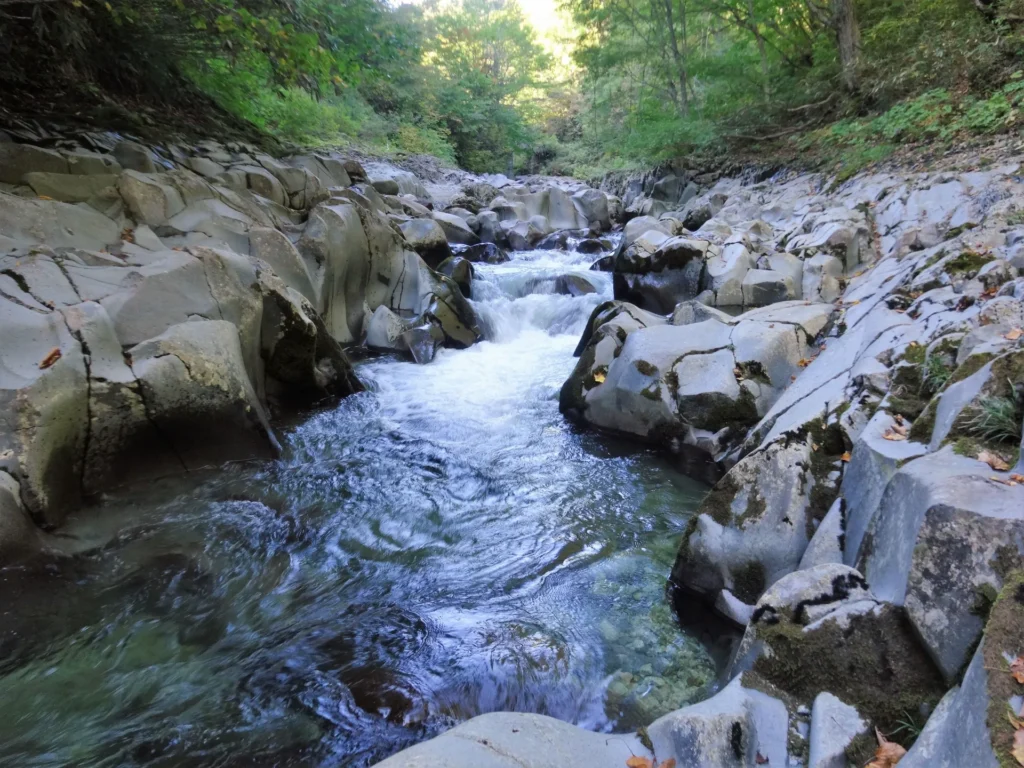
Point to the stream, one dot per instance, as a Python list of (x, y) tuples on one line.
[(440, 546)]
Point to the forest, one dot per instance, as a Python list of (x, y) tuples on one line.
[(471, 82)]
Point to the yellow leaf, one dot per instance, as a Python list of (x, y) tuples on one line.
[(600, 376), (47, 197), (845, 456), (670, 763), (639, 762), (995, 461), (1013, 335)]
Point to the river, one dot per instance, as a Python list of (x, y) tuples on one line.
[(440, 546)]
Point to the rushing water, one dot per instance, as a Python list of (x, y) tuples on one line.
[(441, 546)]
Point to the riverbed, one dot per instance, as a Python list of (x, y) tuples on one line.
[(440, 546)]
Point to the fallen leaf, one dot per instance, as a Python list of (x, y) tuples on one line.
[(899, 418), (894, 436), (888, 753), (639, 762), (845, 456), (50, 359), (1001, 481), (670, 763), (600, 376), (1017, 478), (995, 461), (814, 446), (1015, 723), (761, 759), (854, 303), (1017, 669), (803, 362), (1013, 335), (900, 429), (1018, 746), (45, 197)]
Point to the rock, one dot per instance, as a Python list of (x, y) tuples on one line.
[(484, 253), (734, 728), (725, 274), (272, 247), (459, 270), (386, 186), (945, 537), (656, 273), (557, 241), (150, 200), (589, 246), (517, 740), (452, 313), (43, 410), (821, 631), (970, 726), (675, 385), (428, 239), (19, 537), (604, 264), (385, 329), (264, 183), (821, 274), (134, 157), (68, 188), (826, 545), (423, 341), (523, 235), (638, 226), (84, 163), (834, 726), (197, 394), (456, 230), (762, 287), (16, 160), (593, 205), (204, 166), (303, 363), (59, 225)]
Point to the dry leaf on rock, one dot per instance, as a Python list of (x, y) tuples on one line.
[(995, 461), (600, 376), (670, 763), (891, 434), (1013, 335), (1017, 669), (1018, 746), (1017, 478), (52, 357), (639, 762), (888, 754), (846, 456)]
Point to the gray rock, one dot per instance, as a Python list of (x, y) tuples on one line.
[(384, 330), (19, 537), (272, 247), (68, 188), (484, 253), (134, 157), (834, 725), (428, 239), (518, 740), (593, 206), (767, 286), (386, 186), (150, 200), (460, 270), (59, 225), (456, 230), (198, 394), (826, 545), (85, 163), (16, 160), (731, 729)]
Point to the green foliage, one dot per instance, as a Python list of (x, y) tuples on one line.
[(998, 419)]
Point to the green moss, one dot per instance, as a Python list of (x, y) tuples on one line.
[(749, 582), (862, 749), (652, 392), (915, 353), (984, 598), (966, 446), (1003, 638), (645, 368), (924, 425), (966, 263), (718, 503), (971, 366), (876, 664)]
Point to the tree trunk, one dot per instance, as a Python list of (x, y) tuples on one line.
[(679, 59), (844, 21)]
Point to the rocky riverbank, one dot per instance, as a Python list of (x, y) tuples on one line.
[(842, 362)]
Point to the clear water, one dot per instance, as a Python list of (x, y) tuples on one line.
[(441, 546)]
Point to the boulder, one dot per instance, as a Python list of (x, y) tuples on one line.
[(822, 630), (738, 727), (150, 200), (428, 239), (68, 188), (484, 253), (273, 248), (762, 287), (19, 536), (460, 271), (197, 393), (523, 235), (518, 740), (593, 206), (134, 157), (59, 225), (456, 229), (834, 727), (384, 330), (85, 163), (16, 160)]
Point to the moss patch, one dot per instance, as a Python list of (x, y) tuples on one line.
[(968, 262), (645, 368), (1003, 635), (749, 582), (876, 665)]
